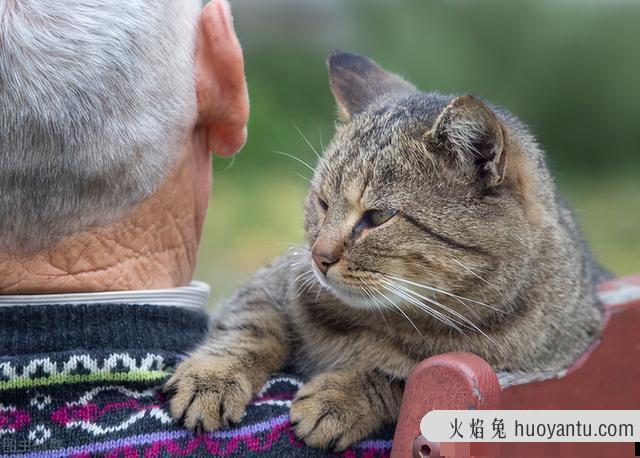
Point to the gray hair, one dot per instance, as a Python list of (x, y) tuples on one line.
[(96, 98)]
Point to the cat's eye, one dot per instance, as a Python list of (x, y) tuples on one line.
[(378, 217), (323, 204)]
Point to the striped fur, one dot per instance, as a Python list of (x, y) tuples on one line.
[(481, 256)]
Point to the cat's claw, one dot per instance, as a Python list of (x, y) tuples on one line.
[(329, 418), (207, 393)]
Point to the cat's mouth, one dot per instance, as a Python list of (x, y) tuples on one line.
[(356, 292)]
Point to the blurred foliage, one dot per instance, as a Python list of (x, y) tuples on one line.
[(570, 69)]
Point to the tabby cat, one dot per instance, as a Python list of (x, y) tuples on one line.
[(432, 225)]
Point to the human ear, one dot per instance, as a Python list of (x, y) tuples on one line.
[(221, 89)]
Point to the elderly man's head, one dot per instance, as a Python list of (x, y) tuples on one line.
[(108, 113), (100, 102)]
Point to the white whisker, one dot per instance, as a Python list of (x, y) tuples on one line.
[(446, 293), (373, 291), (306, 140), (469, 270), (432, 312), (303, 274), (308, 180), (295, 158), (401, 311), (320, 135), (305, 286), (409, 294), (366, 295), (379, 305), (470, 323)]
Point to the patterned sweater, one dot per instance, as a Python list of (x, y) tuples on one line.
[(82, 380)]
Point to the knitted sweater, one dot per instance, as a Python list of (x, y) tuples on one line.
[(82, 380)]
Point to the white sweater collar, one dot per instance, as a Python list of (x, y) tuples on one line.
[(196, 295)]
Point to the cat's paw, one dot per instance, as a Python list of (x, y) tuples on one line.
[(207, 393), (331, 413)]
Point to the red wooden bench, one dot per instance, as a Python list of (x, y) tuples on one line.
[(606, 377)]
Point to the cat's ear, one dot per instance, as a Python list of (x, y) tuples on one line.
[(357, 81), (472, 132)]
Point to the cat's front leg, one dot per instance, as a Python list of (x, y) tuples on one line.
[(335, 409), (249, 341), (212, 388)]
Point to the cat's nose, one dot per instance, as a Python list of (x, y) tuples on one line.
[(324, 260)]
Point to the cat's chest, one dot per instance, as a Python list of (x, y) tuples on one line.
[(330, 336)]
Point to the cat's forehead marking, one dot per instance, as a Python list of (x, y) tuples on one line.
[(353, 216), (353, 190), (380, 148)]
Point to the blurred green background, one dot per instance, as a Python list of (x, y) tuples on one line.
[(569, 68)]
